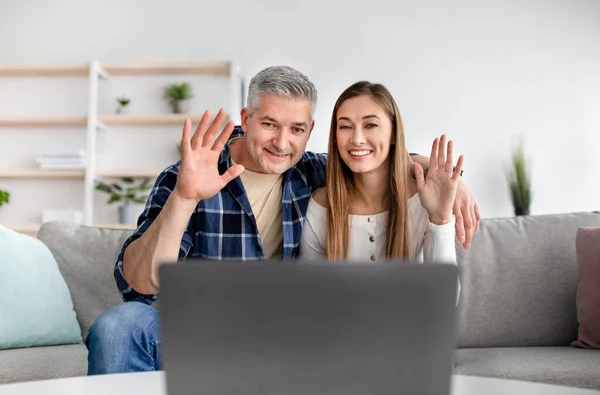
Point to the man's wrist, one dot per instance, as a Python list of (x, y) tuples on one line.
[(440, 220)]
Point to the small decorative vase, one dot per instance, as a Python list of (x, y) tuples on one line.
[(127, 214), (521, 211), (122, 110), (180, 106)]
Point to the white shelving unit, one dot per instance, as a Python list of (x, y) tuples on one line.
[(95, 72)]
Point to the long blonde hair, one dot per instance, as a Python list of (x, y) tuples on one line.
[(340, 184)]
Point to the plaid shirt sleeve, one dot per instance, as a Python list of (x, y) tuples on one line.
[(315, 166), (161, 190)]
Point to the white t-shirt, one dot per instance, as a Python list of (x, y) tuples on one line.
[(427, 241)]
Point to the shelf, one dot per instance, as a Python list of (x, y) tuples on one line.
[(95, 127), (112, 173), (167, 68), (25, 228), (120, 173), (117, 69), (103, 120), (148, 120), (39, 173), (43, 121), (40, 70), (34, 228)]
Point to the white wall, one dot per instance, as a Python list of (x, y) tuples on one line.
[(485, 73)]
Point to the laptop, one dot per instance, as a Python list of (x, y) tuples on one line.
[(307, 327)]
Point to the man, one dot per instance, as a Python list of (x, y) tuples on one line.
[(241, 195)]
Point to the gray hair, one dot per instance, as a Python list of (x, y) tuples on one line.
[(281, 81)]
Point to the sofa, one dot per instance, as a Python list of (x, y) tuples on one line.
[(516, 316)]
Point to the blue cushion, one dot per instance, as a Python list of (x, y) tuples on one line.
[(35, 303)]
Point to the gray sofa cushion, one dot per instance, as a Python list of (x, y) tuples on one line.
[(553, 365), (519, 282), (40, 363), (86, 257)]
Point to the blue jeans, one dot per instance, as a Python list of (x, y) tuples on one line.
[(125, 338)]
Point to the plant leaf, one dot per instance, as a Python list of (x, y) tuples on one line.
[(519, 181), (4, 197), (145, 184), (104, 187), (113, 199)]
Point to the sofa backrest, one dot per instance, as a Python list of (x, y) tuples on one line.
[(86, 257), (519, 282), (519, 278)]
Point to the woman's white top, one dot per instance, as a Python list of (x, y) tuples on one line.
[(427, 241)]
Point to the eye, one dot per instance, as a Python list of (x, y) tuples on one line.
[(268, 124), (345, 127), (371, 125), (298, 130)]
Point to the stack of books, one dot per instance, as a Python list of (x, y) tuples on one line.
[(62, 161)]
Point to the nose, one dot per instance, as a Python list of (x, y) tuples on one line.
[(358, 137), (280, 141)]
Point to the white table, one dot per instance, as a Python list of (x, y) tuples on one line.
[(153, 383)]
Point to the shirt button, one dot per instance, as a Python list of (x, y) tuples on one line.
[(373, 257), (371, 238), (370, 219)]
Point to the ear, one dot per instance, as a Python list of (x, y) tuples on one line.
[(244, 116), (312, 126)]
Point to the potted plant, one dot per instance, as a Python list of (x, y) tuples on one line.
[(127, 193), (4, 197), (123, 102), (178, 96), (520, 182)]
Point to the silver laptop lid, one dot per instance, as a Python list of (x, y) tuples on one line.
[(307, 327)]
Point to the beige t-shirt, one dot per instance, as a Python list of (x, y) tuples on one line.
[(264, 193)]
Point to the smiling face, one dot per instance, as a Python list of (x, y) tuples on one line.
[(364, 134), (275, 134), (366, 138)]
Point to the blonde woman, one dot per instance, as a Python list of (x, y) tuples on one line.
[(377, 204)]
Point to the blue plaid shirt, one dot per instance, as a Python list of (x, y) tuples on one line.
[(224, 227)]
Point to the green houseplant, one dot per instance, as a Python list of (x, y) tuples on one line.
[(4, 197), (178, 96), (127, 193), (520, 182), (123, 103)]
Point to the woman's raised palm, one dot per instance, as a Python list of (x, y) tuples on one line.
[(438, 191)]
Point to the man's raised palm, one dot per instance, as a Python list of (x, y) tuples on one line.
[(198, 177)]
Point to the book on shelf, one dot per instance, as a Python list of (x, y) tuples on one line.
[(61, 161)]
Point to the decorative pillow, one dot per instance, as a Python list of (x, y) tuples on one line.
[(588, 287), (35, 304)]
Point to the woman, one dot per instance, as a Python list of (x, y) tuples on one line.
[(377, 204)]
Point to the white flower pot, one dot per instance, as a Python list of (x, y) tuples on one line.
[(129, 213)]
